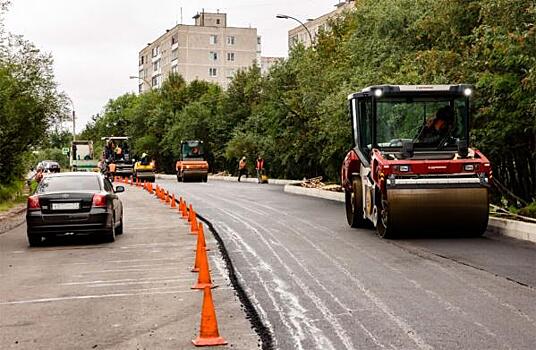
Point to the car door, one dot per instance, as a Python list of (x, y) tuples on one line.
[(116, 203)]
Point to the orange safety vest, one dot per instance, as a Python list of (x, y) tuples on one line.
[(260, 164)]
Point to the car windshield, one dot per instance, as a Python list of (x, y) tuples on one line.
[(192, 150), (69, 183), (432, 123)]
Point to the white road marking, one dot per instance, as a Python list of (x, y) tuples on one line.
[(97, 296)]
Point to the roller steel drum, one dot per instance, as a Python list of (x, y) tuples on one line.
[(437, 210)]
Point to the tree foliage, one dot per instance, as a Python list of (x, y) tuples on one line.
[(29, 100), (296, 116)]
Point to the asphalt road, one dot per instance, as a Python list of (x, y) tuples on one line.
[(134, 293), (319, 284)]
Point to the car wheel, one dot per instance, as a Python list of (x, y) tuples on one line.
[(109, 236), (34, 240), (178, 177), (205, 178), (119, 229)]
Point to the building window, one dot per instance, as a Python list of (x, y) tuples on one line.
[(212, 72), (175, 54), (156, 51), (142, 60), (174, 39), (258, 40), (175, 69), (141, 74), (213, 39), (217, 21), (230, 40), (213, 56), (154, 81), (230, 56), (229, 73), (156, 66)]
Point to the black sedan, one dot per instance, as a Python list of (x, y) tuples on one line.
[(74, 203)]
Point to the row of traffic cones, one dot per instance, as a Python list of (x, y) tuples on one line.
[(208, 332)]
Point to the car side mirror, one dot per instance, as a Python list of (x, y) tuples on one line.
[(119, 189)]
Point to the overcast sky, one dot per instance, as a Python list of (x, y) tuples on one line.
[(95, 43)]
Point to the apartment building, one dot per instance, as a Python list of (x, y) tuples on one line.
[(208, 50), (300, 34), (268, 62)]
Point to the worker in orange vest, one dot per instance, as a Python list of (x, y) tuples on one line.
[(242, 168), (259, 166)]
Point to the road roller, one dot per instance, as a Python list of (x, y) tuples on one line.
[(411, 170)]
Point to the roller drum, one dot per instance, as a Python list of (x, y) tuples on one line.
[(438, 210)]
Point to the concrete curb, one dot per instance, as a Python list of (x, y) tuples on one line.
[(233, 179), (510, 228), (12, 218)]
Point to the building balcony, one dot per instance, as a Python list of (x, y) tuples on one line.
[(174, 46), (174, 62), (156, 58), (156, 72)]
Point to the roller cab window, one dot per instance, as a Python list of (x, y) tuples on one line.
[(428, 123)]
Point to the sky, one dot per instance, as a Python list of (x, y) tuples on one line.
[(95, 43)]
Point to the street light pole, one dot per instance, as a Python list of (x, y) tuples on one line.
[(142, 79), (300, 22), (74, 118)]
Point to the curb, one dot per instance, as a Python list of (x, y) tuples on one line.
[(12, 219), (510, 228), (233, 179)]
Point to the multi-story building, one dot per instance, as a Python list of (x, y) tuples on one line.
[(300, 34), (208, 50), (268, 62)]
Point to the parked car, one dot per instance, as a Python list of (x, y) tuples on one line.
[(49, 166), (84, 203)]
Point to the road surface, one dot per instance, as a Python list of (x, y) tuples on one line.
[(134, 293), (318, 284)]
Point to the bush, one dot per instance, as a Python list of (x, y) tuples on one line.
[(11, 191), (529, 210)]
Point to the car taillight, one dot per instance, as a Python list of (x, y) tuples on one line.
[(33, 202), (99, 201)]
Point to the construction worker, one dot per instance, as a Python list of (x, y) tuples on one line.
[(259, 166), (242, 168), (111, 169)]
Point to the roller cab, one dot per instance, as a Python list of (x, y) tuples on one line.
[(411, 170)]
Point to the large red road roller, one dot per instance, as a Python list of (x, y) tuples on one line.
[(411, 170)]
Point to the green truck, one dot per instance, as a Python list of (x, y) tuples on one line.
[(82, 157)]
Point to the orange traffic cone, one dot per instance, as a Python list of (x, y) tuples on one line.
[(184, 211), (166, 198), (173, 205), (130, 180), (197, 260), (190, 212), (179, 206), (208, 330), (203, 279), (194, 227)]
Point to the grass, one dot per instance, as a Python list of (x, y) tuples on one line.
[(11, 195), (6, 205)]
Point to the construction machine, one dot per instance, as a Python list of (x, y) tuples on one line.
[(81, 156), (117, 151), (411, 170), (192, 164), (144, 169)]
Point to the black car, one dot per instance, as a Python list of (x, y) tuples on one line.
[(74, 203)]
